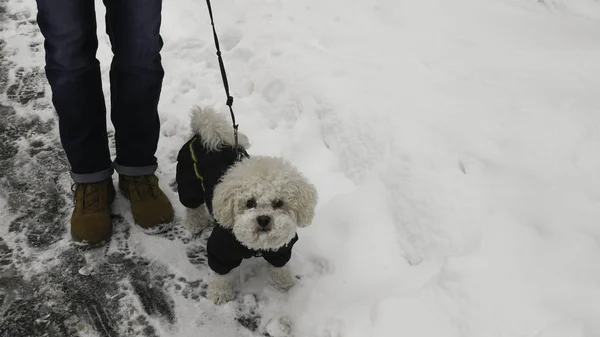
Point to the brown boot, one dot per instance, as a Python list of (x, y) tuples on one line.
[(90, 221), (151, 208)]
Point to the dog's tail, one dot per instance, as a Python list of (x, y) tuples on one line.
[(215, 129)]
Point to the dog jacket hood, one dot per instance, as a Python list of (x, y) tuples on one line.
[(198, 172)]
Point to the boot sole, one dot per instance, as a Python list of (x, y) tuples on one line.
[(156, 229), (85, 244)]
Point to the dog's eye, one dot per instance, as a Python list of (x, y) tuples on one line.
[(277, 204), (251, 203)]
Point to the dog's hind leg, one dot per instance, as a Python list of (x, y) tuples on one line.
[(197, 219), (191, 193)]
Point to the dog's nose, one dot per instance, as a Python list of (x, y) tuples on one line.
[(263, 221)]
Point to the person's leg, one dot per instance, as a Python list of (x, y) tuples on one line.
[(73, 72), (136, 78)]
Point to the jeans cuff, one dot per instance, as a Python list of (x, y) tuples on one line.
[(135, 170), (88, 178)]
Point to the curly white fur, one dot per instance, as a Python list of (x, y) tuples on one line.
[(214, 129), (246, 229), (220, 288), (281, 278), (197, 219), (265, 180)]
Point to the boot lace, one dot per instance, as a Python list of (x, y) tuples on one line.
[(91, 196), (143, 187)]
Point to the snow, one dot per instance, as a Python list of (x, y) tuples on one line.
[(455, 147)]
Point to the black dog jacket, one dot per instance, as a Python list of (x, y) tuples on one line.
[(226, 253)]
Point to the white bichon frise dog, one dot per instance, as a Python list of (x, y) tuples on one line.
[(256, 203)]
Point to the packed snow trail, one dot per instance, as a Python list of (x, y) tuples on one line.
[(455, 147)]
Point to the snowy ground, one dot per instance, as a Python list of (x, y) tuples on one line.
[(455, 147)]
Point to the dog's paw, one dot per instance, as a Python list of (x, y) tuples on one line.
[(281, 278), (220, 289), (219, 296), (197, 219)]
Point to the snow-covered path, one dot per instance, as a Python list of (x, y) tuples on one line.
[(455, 147)]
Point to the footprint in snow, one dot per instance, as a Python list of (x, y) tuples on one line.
[(273, 90)]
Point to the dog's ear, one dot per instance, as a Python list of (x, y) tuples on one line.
[(223, 203), (304, 201)]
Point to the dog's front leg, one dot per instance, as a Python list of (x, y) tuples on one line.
[(281, 278), (220, 288)]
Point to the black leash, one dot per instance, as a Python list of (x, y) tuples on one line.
[(240, 150)]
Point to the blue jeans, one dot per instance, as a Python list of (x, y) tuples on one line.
[(136, 76)]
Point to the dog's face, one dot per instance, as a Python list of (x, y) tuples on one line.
[(263, 219), (264, 200)]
